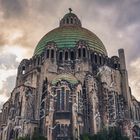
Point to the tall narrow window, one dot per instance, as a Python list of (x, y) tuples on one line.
[(84, 52), (79, 53), (38, 61), (48, 53), (23, 69), (71, 20), (115, 66), (52, 53), (100, 59), (67, 21), (67, 100), (66, 55), (63, 100), (60, 56), (72, 55), (91, 58), (95, 56), (58, 99)]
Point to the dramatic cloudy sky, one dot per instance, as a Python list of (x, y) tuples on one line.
[(24, 22)]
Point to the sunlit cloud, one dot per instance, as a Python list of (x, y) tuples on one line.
[(3, 98), (6, 74), (16, 50)]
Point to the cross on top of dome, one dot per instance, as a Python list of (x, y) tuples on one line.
[(70, 19), (70, 10)]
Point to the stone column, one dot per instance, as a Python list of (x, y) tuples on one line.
[(124, 81)]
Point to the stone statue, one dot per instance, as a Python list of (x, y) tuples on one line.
[(29, 105)]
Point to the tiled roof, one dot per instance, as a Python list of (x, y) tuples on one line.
[(66, 37)]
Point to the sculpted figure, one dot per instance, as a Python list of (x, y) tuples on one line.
[(29, 105)]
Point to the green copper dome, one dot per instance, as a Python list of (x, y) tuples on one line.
[(68, 34)]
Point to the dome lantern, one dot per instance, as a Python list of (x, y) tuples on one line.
[(70, 19), (68, 34)]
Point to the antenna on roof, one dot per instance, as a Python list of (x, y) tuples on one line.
[(70, 10)]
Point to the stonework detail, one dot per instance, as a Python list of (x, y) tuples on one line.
[(70, 87)]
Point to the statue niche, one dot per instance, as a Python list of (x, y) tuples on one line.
[(29, 105), (15, 108)]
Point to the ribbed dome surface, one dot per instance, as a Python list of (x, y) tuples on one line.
[(67, 37), (68, 34)]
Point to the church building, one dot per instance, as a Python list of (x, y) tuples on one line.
[(70, 86)]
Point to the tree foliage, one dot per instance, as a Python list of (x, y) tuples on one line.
[(34, 137), (111, 134)]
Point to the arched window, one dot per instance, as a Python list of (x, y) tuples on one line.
[(12, 133), (115, 66), (71, 20), (66, 55), (95, 58), (103, 60), (91, 57), (52, 53), (63, 99), (84, 52), (60, 56), (72, 57), (100, 60), (48, 53), (79, 53), (67, 20), (38, 60), (23, 69), (75, 21)]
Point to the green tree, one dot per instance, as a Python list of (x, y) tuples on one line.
[(34, 137), (84, 137), (110, 134), (24, 138)]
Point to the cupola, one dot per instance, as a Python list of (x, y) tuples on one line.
[(70, 19)]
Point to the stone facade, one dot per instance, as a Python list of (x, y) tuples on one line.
[(65, 92)]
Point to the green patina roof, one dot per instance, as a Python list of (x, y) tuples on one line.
[(67, 77), (67, 36), (70, 15)]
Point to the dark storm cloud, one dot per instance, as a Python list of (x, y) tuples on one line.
[(103, 3), (14, 8), (128, 13), (8, 61), (48, 6), (123, 16), (135, 49)]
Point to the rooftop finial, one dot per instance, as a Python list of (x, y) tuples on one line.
[(70, 10)]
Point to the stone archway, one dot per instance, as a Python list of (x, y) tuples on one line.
[(12, 135), (136, 132)]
